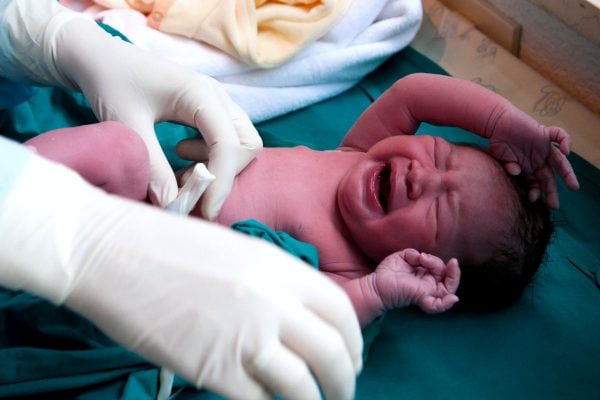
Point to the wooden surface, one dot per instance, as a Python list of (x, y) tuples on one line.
[(455, 44), (488, 19)]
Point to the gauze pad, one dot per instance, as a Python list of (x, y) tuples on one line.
[(195, 183)]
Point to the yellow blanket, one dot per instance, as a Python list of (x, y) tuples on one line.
[(262, 33)]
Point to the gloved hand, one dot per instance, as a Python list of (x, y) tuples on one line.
[(53, 45), (225, 311)]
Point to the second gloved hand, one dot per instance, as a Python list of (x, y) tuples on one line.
[(225, 311), (53, 45)]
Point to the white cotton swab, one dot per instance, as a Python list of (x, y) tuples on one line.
[(195, 183)]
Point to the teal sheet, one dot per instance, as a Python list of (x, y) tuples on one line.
[(546, 346)]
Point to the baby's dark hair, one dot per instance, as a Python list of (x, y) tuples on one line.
[(500, 280)]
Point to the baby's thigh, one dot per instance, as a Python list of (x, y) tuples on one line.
[(107, 154)]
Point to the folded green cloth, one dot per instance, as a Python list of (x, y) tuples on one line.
[(304, 251)]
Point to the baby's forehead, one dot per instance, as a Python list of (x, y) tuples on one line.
[(490, 189), (487, 202), (478, 155)]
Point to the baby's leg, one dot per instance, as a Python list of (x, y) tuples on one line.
[(108, 155)]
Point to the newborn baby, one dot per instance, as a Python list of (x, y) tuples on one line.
[(387, 208)]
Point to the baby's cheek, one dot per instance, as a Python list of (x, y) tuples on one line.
[(415, 231), (378, 240)]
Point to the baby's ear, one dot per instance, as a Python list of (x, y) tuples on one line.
[(194, 149)]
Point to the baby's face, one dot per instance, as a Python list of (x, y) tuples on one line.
[(425, 193)]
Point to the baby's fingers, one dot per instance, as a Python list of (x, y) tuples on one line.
[(545, 177), (452, 276), (534, 188), (561, 137), (534, 194), (411, 256), (433, 305), (561, 164), (512, 168), (434, 265)]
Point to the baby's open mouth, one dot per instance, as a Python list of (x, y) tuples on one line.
[(384, 187)]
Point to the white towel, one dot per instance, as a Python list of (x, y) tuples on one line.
[(369, 33)]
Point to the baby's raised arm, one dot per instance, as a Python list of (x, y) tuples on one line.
[(516, 139)]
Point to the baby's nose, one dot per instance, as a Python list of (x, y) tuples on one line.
[(422, 181)]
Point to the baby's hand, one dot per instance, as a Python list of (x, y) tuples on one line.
[(539, 151), (409, 277)]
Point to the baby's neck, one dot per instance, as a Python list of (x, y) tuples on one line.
[(294, 190), (287, 188)]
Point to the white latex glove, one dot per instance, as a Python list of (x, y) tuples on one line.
[(227, 312), (50, 44)]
